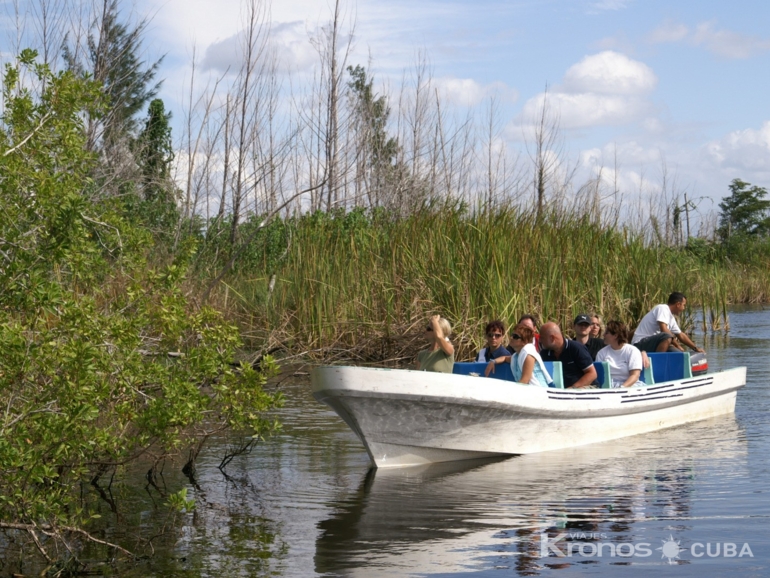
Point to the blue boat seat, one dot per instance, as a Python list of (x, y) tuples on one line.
[(554, 370), (646, 376), (670, 366), (603, 376), (502, 370)]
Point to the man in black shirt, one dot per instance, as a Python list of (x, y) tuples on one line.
[(576, 363), (582, 327)]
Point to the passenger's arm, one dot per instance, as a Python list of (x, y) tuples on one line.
[(633, 377), (527, 369), (589, 376), (491, 365), (689, 342), (445, 345)]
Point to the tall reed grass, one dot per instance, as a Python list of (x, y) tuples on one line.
[(360, 286)]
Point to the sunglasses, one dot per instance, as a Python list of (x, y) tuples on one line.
[(494, 335), (515, 336)]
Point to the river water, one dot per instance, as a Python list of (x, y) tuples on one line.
[(687, 501)]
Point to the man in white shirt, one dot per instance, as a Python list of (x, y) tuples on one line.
[(658, 330)]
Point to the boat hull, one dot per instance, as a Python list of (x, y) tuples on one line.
[(407, 418)]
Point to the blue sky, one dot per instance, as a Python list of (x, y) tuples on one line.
[(684, 81)]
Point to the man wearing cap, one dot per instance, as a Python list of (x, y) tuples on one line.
[(582, 327), (658, 330)]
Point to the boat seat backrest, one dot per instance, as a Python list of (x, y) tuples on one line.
[(555, 371), (670, 366), (646, 376), (502, 370), (603, 377)]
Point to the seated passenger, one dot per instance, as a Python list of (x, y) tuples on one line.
[(577, 364), (597, 330), (659, 331), (440, 356), (582, 328), (495, 332), (625, 360), (531, 322), (526, 363)]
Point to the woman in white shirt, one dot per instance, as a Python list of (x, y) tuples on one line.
[(526, 363), (625, 360)]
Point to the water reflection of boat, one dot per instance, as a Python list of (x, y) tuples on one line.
[(457, 516), (412, 417)]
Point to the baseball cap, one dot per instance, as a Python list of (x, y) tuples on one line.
[(582, 318)]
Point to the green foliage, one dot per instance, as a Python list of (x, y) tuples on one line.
[(744, 223), (179, 501), (374, 113), (744, 212), (360, 281), (157, 208), (87, 322), (115, 61)]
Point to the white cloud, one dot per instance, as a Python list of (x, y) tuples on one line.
[(724, 43), (742, 150), (611, 73), (602, 89), (468, 92), (581, 110), (289, 41), (727, 43)]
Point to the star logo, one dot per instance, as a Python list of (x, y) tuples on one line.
[(670, 549)]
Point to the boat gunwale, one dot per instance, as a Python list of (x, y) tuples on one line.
[(629, 397)]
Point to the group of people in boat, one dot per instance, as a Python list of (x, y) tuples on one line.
[(529, 345)]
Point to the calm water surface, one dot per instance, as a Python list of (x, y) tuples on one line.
[(307, 504)]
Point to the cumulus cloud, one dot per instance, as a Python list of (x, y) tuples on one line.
[(289, 41), (610, 73), (602, 89), (742, 150), (724, 43), (468, 92)]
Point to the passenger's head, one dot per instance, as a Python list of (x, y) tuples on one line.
[(677, 302), (495, 331), (521, 335), (530, 321), (446, 328), (582, 325), (596, 326), (618, 330), (551, 337)]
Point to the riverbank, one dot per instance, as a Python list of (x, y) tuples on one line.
[(359, 285)]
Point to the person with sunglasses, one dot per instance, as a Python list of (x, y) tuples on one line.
[(440, 356), (495, 332), (526, 363)]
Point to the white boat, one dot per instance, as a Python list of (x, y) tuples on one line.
[(407, 418)]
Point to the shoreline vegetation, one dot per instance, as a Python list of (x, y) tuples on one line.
[(358, 286)]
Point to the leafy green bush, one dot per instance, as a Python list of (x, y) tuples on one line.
[(87, 324)]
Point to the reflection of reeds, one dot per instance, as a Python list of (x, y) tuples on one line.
[(363, 286)]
